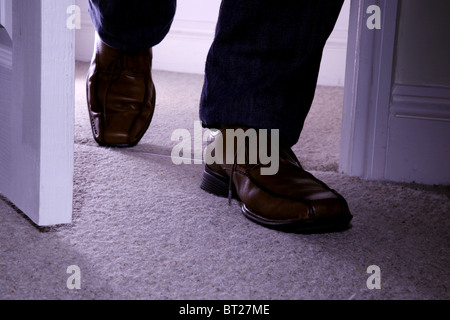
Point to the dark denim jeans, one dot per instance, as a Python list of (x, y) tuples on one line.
[(262, 68)]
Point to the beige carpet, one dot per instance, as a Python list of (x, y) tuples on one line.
[(142, 228)]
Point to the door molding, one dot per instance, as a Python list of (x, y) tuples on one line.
[(368, 85), (408, 101), (391, 129)]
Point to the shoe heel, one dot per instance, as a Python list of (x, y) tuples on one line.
[(216, 184)]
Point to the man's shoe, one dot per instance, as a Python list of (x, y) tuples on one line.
[(290, 200), (120, 95)]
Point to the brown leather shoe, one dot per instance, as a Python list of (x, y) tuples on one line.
[(291, 200), (120, 95)]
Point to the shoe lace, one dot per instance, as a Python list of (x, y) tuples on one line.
[(230, 183)]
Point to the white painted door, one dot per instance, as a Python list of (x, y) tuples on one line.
[(396, 119), (36, 108)]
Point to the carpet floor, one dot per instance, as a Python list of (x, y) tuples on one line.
[(143, 229)]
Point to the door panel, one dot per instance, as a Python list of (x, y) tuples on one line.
[(395, 129)]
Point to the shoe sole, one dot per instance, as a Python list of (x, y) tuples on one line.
[(320, 225), (216, 184)]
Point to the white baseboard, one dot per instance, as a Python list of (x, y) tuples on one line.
[(185, 50), (332, 68)]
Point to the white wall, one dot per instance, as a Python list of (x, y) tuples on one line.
[(332, 71), (187, 44), (84, 37)]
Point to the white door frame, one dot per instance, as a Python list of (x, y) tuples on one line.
[(37, 110), (368, 85)]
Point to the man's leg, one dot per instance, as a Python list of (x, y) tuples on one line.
[(261, 73), (132, 25), (120, 91), (262, 68)]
